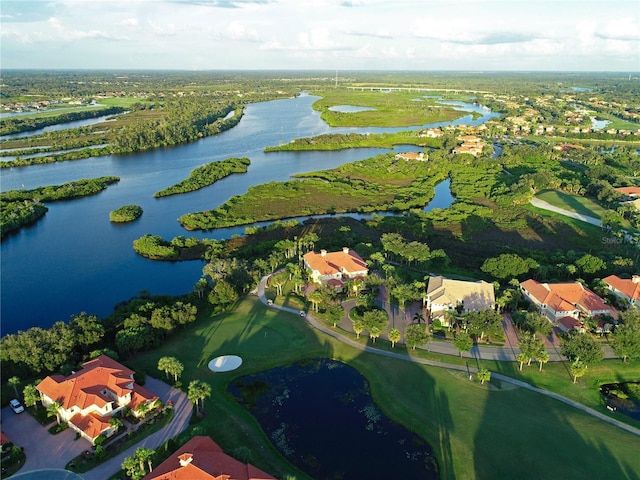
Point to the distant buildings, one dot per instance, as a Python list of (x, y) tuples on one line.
[(202, 459), (89, 398), (471, 144), (412, 156)]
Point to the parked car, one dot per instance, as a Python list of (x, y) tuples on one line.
[(16, 406)]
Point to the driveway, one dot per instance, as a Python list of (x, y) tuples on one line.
[(44, 450)]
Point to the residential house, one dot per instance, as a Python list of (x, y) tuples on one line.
[(411, 156), (90, 397), (445, 295), (335, 267), (202, 459), (470, 144), (566, 299), (627, 288)]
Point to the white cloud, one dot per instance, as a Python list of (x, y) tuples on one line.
[(166, 30), (237, 31), (130, 22)]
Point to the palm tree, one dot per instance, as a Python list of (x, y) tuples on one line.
[(577, 369), (522, 357), (54, 409), (164, 364), (143, 455), (315, 298), (374, 332), (358, 327), (14, 382), (394, 336), (171, 365), (31, 395), (484, 375), (542, 357), (197, 392), (116, 423)]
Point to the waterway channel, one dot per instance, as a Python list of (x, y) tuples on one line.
[(75, 260)]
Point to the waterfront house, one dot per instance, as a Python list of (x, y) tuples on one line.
[(90, 397), (202, 459), (411, 156), (335, 267)]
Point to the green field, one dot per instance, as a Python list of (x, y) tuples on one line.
[(574, 203), (491, 431)]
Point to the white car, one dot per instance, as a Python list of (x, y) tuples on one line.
[(16, 406)]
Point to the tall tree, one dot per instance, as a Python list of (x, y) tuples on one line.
[(315, 298), (463, 342), (31, 395), (416, 336), (87, 329), (197, 392), (53, 409), (576, 345), (626, 341), (542, 357)]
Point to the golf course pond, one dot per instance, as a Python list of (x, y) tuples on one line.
[(622, 397), (320, 415)]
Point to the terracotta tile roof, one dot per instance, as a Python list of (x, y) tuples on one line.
[(628, 190), (569, 323), (3, 438), (202, 459), (565, 297), (84, 388), (329, 263), (92, 424), (629, 287)]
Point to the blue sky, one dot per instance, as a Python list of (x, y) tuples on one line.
[(602, 35)]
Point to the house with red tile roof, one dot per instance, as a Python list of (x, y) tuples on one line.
[(90, 397), (411, 156), (202, 459), (627, 288), (335, 268), (566, 299)]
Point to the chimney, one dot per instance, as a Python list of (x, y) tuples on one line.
[(635, 278), (185, 459), (345, 250), (323, 253)]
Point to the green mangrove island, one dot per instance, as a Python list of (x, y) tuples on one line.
[(207, 175), (126, 213)]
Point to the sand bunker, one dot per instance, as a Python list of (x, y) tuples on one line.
[(225, 363)]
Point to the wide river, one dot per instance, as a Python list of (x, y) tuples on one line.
[(76, 260)]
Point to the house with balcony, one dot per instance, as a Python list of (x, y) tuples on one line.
[(90, 397), (566, 299), (335, 268), (202, 459), (446, 295)]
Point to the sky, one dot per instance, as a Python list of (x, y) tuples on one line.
[(466, 35)]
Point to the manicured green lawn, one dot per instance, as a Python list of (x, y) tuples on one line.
[(493, 431), (574, 203)]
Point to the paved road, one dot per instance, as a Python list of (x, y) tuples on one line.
[(536, 202), (46, 451), (400, 356)]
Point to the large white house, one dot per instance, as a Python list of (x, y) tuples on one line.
[(90, 397), (334, 268), (445, 295)]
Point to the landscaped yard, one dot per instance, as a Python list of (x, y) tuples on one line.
[(476, 431)]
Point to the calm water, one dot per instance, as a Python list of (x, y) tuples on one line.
[(75, 260), (323, 420)]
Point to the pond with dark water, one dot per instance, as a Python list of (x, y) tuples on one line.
[(320, 415), (74, 259), (622, 397)]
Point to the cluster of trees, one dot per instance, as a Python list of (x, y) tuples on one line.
[(150, 323), (63, 345), (207, 175), (33, 122), (339, 141), (126, 213), (397, 248), (184, 120), (22, 207)]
